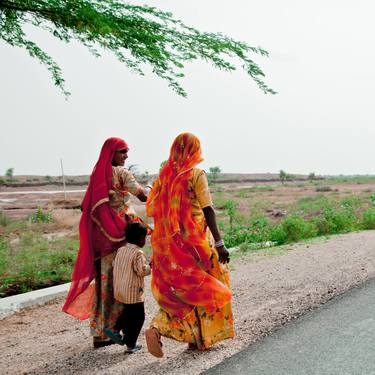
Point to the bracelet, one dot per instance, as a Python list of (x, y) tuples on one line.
[(219, 243), (147, 189)]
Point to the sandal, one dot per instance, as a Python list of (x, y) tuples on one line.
[(134, 349), (114, 336), (100, 343), (154, 344)]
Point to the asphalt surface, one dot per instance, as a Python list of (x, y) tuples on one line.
[(336, 339)]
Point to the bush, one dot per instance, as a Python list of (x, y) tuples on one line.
[(230, 206), (324, 226), (278, 235), (344, 220), (315, 216), (40, 216), (4, 220), (323, 188), (296, 228), (260, 229), (368, 219), (351, 202)]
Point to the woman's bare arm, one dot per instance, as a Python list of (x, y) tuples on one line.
[(142, 196), (210, 216)]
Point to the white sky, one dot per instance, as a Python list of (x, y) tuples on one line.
[(322, 64)]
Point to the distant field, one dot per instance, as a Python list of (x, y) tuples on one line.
[(31, 180), (39, 232)]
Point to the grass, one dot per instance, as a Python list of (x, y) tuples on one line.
[(4, 220), (34, 262), (364, 179), (250, 221), (32, 256)]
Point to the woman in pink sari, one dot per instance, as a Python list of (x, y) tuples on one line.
[(105, 212)]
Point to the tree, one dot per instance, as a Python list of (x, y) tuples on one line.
[(136, 35), (133, 168), (9, 173), (312, 176), (214, 174), (283, 176)]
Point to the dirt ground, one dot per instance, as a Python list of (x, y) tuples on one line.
[(269, 289), (18, 205)]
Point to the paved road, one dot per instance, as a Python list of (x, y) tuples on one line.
[(336, 339)]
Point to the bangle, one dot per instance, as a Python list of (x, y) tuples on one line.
[(219, 243)]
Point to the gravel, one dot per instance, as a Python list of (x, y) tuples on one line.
[(270, 288)]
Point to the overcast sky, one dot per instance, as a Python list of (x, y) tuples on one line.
[(322, 59)]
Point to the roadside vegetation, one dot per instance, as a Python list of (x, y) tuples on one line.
[(268, 215), (40, 251), (35, 253)]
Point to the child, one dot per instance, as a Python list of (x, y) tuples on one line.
[(129, 269)]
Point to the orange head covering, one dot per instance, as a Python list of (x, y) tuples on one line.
[(181, 253)]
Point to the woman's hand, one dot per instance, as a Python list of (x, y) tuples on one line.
[(223, 254)]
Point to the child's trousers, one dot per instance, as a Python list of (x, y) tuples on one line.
[(130, 322)]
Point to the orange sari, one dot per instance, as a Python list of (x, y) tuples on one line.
[(188, 282)]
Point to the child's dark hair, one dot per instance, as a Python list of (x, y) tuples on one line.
[(135, 231)]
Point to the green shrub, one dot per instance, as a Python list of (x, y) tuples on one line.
[(297, 228), (236, 236), (40, 216), (4, 249), (341, 220), (368, 219), (260, 229), (231, 206), (324, 226), (278, 235), (4, 219), (351, 202)]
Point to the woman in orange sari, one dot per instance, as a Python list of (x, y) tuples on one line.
[(190, 276), (105, 212)]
